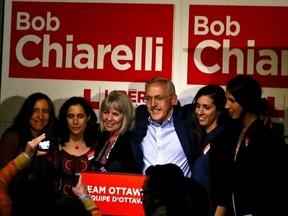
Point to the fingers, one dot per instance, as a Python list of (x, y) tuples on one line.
[(80, 189), (40, 153), (33, 143)]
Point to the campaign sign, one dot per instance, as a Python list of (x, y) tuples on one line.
[(115, 193), (225, 41), (91, 41)]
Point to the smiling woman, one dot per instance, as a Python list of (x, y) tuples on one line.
[(113, 151), (212, 167), (35, 117)]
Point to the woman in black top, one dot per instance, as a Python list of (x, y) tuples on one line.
[(117, 120)]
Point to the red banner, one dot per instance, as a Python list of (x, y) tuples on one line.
[(115, 193), (228, 40), (91, 41)]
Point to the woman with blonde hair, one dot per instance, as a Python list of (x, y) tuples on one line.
[(117, 120)]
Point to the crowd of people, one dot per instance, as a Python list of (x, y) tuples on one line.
[(212, 157)]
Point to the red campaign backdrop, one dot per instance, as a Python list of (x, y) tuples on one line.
[(226, 40), (91, 41), (115, 193)]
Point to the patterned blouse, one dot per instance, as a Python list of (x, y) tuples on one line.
[(69, 168)]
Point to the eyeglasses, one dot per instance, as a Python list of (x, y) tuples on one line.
[(143, 192), (157, 98)]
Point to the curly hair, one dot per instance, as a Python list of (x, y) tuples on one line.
[(62, 125)]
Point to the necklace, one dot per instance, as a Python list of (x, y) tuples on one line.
[(105, 152), (76, 144)]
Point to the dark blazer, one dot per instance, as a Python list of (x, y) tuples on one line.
[(259, 179), (121, 158), (213, 168), (181, 117)]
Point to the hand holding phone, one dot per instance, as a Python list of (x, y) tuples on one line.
[(44, 145)]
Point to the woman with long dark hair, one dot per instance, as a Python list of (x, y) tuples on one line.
[(212, 168), (35, 117), (260, 164)]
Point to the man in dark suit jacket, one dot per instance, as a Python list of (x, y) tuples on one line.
[(163, 132)]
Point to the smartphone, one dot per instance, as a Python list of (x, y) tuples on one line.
[(75, 179), (44, 145)]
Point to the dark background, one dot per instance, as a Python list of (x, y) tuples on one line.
[(1, 35)]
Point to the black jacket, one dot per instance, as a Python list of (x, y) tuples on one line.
[(121, 158), (182, 117)]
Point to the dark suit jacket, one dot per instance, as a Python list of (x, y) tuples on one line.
[(182, 117), (121, 158), (259, 176)]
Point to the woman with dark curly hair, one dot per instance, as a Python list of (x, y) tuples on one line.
[(76, 129)]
